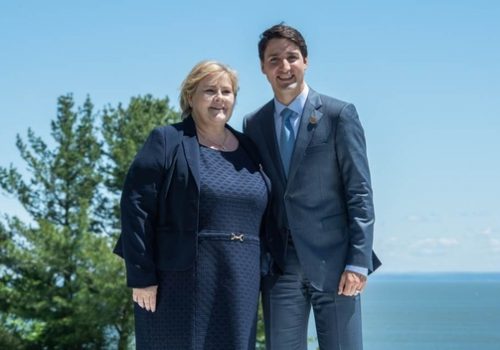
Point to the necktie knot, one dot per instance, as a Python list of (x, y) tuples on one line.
[(288, 115)]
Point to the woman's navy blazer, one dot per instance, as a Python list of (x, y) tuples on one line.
[(160, 203)]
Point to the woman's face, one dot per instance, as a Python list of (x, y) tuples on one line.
[(213, 100)]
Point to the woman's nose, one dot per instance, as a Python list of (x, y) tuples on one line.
[(218, 95)]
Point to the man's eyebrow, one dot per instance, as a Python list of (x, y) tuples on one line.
[(287, 52)]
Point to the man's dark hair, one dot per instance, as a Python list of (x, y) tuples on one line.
[(282, 31)]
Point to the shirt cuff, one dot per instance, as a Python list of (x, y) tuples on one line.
[(361, 270)]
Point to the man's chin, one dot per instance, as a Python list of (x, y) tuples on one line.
[(288, 87)]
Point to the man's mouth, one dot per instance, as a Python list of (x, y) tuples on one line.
[(285, 77)]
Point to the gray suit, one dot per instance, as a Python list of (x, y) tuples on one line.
[(326, 204)]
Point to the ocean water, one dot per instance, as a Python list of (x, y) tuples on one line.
[(430, 312)]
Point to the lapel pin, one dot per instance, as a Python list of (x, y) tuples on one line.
[(313, 120)]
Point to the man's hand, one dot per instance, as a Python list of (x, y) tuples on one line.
[(351, 283), (145, 297)]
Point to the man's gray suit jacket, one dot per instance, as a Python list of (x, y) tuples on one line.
[(326, 203)]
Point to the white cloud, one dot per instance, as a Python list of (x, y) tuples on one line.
[(424, 218), (448, 242), (432, 246), (388, 245), (435, 242), (414, 218), (495, 245), (487, 231)]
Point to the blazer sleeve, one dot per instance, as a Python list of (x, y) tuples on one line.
[(353, 163), (139, 210), (244, 125)]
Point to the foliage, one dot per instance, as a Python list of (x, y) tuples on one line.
[(124, 131), (261, 340), (60, 285)]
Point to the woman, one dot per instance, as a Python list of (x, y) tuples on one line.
[(191, 208)]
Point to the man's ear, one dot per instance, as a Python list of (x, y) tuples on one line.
[(306, 61), (262, 67)]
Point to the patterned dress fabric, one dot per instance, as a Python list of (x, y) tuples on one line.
[(213, 305)]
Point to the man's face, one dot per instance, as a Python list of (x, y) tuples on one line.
[(284, 67)]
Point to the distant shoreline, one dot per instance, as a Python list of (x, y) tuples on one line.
[(438, 276)]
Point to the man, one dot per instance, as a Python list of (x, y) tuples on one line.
[(319, 230)]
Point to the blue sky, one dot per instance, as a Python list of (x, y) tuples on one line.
[(424, 76)]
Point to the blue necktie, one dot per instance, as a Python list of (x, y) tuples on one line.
[(287, 138)]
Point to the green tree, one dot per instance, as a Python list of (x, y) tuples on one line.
[(48, 296), (60, 285), (261, 337), (124, 131)]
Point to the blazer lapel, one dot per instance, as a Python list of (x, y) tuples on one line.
[(308, 122), (191, 149)]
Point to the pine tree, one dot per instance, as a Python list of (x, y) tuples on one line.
[(48, 293), (124, 131), (60, 285)]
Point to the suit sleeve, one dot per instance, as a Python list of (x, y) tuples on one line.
[(353, 163), (139, 210)]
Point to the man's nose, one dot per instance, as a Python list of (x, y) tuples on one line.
[(285, 65)]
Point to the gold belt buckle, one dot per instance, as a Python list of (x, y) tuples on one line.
[(237, 237)]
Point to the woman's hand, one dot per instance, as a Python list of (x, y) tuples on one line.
[(145, 297)]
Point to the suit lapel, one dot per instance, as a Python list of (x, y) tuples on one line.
[(308, 122), (191, 149), (251, 150), (269, 131)]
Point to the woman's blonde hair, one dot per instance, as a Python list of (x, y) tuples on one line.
[(197, 74)]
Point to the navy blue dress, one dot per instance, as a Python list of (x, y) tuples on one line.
[(213, 305)]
